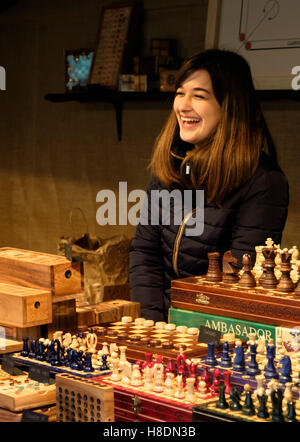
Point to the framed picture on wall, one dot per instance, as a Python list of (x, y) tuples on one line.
[(77, 68), (114, 41)]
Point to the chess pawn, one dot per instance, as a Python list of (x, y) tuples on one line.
[(179, 393), (105, 350), (227, 385), (148, 378), (202, 390), (40, 353), (169, 384), (247, 279), (285, 284), (262, 398), (81, 342), (210, 358), (216, 382), (190, 394), (248, 407), (235, 400), (222, 403), (136, 378)]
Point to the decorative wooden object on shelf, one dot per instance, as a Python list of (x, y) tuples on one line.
[(24, 306), (39, 270), (93, 401)]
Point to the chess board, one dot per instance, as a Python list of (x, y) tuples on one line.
[(235, 301), (56, 369), (136, 404), (79, 400), (19, 393), (140, 339)]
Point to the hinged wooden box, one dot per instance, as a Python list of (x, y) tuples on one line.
[(23, 306), (42, 271), (234, 301)]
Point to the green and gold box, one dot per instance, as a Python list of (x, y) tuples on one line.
[(241, 328)]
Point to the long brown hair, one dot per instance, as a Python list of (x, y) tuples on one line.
[(230, 156)]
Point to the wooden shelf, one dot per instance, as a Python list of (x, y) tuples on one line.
[(96, 94)]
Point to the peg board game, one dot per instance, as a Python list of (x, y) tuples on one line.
[(232, 300), (19, 393), (83, 400)]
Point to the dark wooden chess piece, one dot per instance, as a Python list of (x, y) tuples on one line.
[(235, 404), (248, 407), (210, 358), (87, 364), (222, 403), (32, 352), (269, 280), (285, 283), (214, 273), (276, 398), (25, 350), (230, 268), (262, 409), (247, 279), (270, 370), (291, 414)]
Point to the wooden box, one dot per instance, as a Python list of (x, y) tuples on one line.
[(79, 400), (231, 300), (40, 271), (23, 306)]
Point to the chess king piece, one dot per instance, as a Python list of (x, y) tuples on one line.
[(230, 268), (214, 273), (247, 279), (285, 284), (269, 280)]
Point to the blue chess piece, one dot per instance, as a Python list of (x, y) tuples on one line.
[(270, 370), (210, 358), (32, 354), (252, 367), (25, 350), (285, 370), (225, 359), (104, 365), (40, 356), (75, 364), (87, 365), (239, 358), (55, 353)]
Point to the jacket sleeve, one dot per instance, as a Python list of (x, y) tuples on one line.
[(146, 273), (262, 214)]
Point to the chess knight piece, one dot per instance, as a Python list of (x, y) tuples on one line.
[(230, 268), (285, 284)]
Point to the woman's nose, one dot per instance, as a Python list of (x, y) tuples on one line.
[(185, 103)]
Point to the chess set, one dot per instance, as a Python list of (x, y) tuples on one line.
[(65, 353), (141, 336), (85, 400), (268, 292)]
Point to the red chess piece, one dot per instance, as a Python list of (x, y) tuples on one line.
[(216, 382), (205, 376), (170, 366), (148, 363), (227, 375)]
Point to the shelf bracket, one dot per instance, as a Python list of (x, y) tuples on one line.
[(119, 111)]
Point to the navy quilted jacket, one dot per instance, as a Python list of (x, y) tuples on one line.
[(162, 253)]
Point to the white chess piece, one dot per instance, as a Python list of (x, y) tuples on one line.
[(136, 378), (115, 376), (158, 378), (148, 378), (190, 394), (126, 372), (169, 385), (91, 341), (202, 390), (179, 393), (67, 340), (74, 343)]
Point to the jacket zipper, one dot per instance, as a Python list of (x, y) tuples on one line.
[(178, 240)]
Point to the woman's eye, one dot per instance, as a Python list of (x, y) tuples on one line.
[(200, 96), (178, 93)]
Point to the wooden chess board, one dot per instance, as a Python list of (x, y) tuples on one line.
[(80, 400), (57, 369), (136, 404), (232, 300), (141, 339), (19, 393)]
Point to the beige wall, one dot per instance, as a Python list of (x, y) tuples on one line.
[(54, 157)]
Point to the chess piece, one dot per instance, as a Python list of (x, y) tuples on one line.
[(285, 370), (248, 407), (258, 269), (179, 393), (252, 366), (221, 402), (55, 353), (210, 358), (262, 398), (91, 341), (148, 378), (239, 359), (294, 264), (67, 340), (25, 350), (40, 356), (297, 288), (202, 390), (269, 281), (235, 404), (270, 371), (74, 344), (136, 379), (169, 384), (276, 398), (115, 376), (247, 279), (75, 362), (190, 394), (215, 382), (33, 348), (58, 335), (158, 374), (285, 283), (227, 376), (230, 268), (104, 365), (170, 366), (205, 376), (214, 273), (126, 372), (225, 359), (87, 365)]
